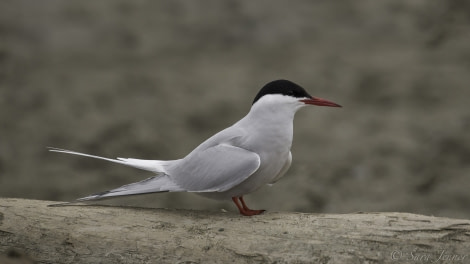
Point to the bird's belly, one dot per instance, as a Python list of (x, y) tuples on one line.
[(271, 165)]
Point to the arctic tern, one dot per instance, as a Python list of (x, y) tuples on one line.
[(238, 160)]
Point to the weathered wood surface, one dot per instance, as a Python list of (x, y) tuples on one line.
[(106, 234)]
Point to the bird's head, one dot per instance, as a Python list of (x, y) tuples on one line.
[(283, 92)]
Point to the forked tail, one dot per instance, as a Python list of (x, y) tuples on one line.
[(160, 183), (157, 166)]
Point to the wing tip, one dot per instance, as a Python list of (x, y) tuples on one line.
[(95, 196), (62, 204)]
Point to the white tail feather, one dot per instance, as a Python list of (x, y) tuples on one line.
[(160, 183), (157, 166)]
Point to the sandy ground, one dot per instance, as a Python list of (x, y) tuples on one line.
[(152, 80)]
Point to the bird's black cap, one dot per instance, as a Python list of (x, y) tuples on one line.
[(283, 87)]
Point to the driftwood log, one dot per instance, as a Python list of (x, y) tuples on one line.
[(107, 234)]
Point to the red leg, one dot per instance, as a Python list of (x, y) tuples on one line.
[(237, 203), (256, 212), (244, 210)]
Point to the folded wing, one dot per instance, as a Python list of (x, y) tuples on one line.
[(215, 169)]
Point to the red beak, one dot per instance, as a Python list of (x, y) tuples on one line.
[(319, 101)]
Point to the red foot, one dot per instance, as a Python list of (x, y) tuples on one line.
[(244, 210)]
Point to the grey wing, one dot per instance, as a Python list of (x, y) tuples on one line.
[(215, 169), (154, 184)]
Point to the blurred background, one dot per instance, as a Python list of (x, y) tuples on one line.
[(153, 79)]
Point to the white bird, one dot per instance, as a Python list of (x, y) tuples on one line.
[(238, 160)]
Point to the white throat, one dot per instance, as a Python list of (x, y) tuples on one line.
[(270, 120)]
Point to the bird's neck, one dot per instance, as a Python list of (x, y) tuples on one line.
[(272, 114), (268, 122)]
